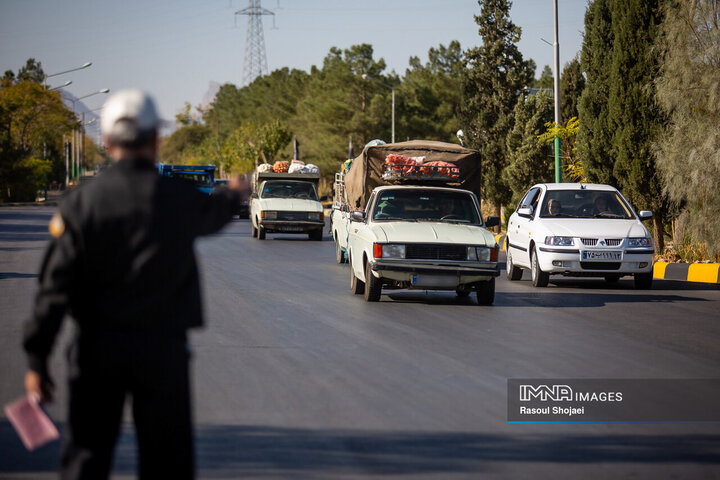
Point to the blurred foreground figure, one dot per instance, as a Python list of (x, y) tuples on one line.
[(121, 261)]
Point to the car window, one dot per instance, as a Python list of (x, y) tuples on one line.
[(531, 198), (289, 189), (421, 205), (585, 204)]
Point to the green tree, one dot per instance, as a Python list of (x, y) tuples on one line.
[(573, 169), (688, 155), (572, 84), (33, 121), (496, 73), (176, 147), (430, 95), (338, 102), (530, 161), (633, 108), (546, 80), (31, 72), (595, 138)]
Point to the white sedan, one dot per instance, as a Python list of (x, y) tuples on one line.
[(580, 230)]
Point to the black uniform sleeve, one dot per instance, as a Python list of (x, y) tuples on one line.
[(216, 210), (57, 277)]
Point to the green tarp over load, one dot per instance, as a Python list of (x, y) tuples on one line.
[(368, 168)]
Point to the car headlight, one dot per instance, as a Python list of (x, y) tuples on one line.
[(482, 254), (384, 250), (268, 214), (559, 241), (315, 216), (640, 242)]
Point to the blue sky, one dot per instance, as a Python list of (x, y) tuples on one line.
[(175, 48)]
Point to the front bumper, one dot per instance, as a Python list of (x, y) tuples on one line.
[(433, 275), (570, 262), (292, 226)]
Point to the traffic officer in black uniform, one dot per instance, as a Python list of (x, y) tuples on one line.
[(121, 261)]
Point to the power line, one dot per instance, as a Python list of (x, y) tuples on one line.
[(255, 60)]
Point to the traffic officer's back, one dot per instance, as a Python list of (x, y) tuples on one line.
[(122, 262)]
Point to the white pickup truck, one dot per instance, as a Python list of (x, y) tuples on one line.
[(286, 203), (419, 229)]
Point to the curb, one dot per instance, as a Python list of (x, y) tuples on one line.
[(687, 272), (500, 239)]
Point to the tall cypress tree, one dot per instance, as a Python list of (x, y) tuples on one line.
[(496, 74), (636, 117), (572, 84), (595, 138)]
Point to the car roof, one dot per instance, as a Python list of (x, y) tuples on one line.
[(577, 186), (420, 187)]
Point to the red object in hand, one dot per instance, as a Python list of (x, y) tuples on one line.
[(31, 423)]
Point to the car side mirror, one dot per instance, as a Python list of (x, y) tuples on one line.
[(645, 214), (254, 195), (357, 216), (492, 222), (526, 211)]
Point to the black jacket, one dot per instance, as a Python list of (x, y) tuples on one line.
[(125, 260)]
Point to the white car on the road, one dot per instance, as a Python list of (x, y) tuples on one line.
[(422, 237), (582, 230)]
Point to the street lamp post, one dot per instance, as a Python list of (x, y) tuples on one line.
[(556, 85), (76, 138), (84, 65), (365, 76), (69, 82)]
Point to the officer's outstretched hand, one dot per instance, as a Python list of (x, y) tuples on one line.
[(39, 386)]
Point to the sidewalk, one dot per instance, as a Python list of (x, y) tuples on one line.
[(53, 199)]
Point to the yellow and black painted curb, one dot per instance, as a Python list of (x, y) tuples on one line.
[(687, 272), (500, 239)]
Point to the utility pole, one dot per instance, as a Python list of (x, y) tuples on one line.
[(556, 45), (255, 60)]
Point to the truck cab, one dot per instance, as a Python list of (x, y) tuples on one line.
[(203, 176), (286, 203)]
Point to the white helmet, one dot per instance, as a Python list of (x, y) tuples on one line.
[(129, 117)]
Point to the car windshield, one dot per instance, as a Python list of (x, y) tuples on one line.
[(197, 178), (416, 205), (585, 204), (288, 189)]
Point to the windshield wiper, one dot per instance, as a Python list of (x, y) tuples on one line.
[(608, 215), (396, 218)]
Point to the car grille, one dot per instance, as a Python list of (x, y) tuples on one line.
[(292, 215), (600, 265), (609, 242), (436, 252)]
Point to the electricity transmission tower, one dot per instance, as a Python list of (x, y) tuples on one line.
[(255, 60)]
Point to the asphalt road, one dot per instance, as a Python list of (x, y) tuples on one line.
[(295, 377)]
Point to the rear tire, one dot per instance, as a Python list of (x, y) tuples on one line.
[(339, 254), (513, 273), (261, 233), (486, 292), (357, 286), (539, 278), (643, 281), (373, 285)]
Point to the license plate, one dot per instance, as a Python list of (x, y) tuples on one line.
[(434, 280), (601, 256), (290, 229)]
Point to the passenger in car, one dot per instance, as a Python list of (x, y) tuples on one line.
[(554, 207)]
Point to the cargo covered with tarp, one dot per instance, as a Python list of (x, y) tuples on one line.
[(429, 162)]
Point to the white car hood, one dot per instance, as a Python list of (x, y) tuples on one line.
[(432, 232), (594, 227), (290, 204)]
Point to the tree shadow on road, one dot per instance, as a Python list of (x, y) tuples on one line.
[(225, 451)]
